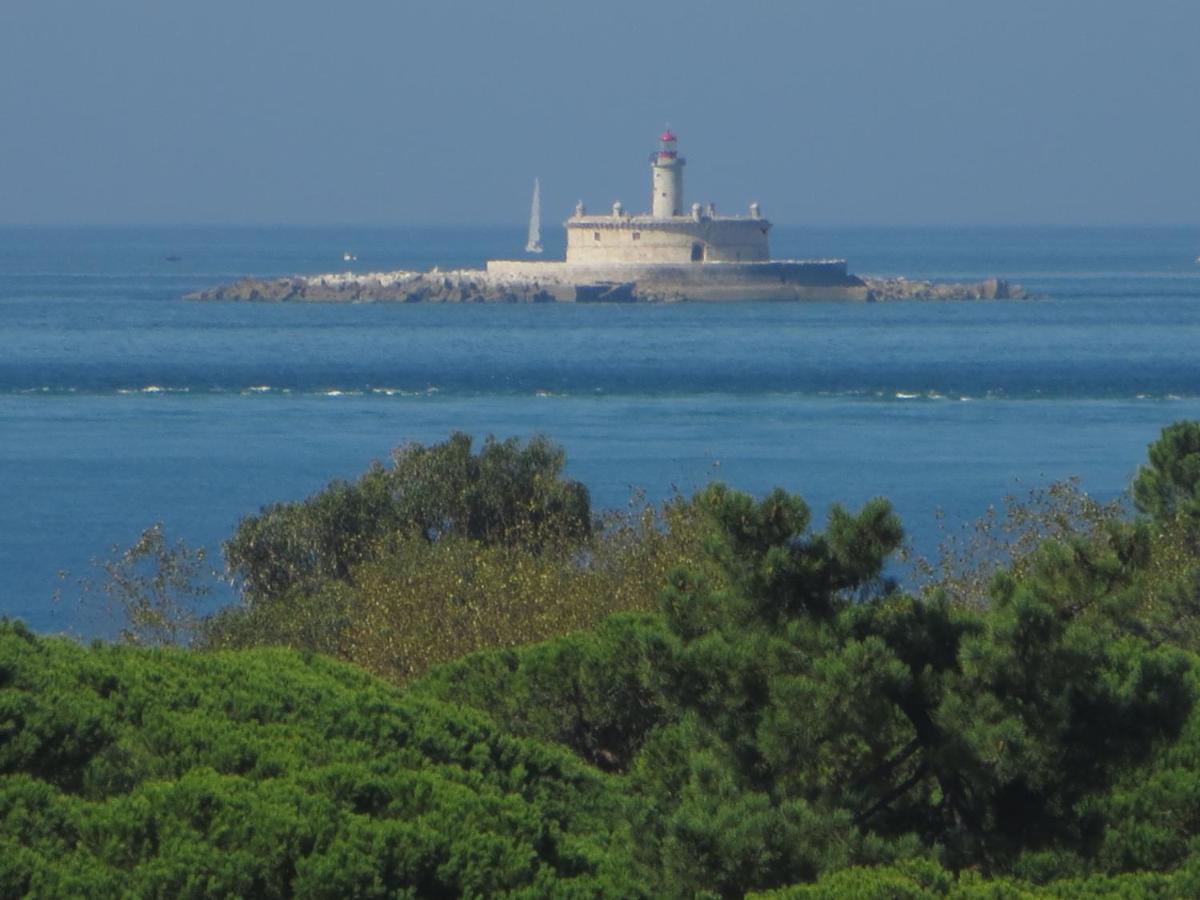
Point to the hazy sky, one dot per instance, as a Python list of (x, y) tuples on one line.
[(825, 111)]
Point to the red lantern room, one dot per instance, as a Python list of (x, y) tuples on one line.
[(666, 145)]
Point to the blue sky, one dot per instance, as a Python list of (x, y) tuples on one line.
[(825, 111)]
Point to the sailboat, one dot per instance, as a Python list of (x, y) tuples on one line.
[(535, 221)]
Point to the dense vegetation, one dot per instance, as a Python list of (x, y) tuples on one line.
[(444, 553), (715, 699), (268, 773)]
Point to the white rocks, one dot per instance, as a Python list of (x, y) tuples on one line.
[(547, 283)]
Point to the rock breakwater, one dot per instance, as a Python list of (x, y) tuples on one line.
[(879, 289), (479, 286), (458, 286)]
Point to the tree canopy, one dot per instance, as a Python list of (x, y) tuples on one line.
[(1170, 484), (720, 697), (271, 774), (504, 494)]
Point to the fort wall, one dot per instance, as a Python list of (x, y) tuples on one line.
[(774, 280), (642, 239)]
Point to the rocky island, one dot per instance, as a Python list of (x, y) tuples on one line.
[(665, 255), (480, 286)]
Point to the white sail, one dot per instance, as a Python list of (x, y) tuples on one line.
[(535, 221)]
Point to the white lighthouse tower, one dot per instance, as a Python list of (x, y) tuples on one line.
[(666, 171)]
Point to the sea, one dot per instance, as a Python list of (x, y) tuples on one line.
[(123, 405)]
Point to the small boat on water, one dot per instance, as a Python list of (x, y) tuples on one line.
[(348, 257), (534, 244)]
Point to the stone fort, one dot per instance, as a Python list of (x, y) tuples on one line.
[(666, 234), (672, 253)]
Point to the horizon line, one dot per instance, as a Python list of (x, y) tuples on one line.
[(522, 226)]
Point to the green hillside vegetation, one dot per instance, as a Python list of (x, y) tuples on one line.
[(445, 552), (718, 698), (271, 774)]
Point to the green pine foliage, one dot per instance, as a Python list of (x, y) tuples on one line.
[(446, 552), (725, 698), (268, 773), (801, 715), (1170, 485), (505, 494)]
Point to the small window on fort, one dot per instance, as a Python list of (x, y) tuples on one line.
[(595, 235), (637, 235)]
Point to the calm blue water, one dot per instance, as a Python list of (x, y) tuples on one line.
[(122, 405)]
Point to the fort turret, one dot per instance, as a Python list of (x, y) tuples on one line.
[(666, 178)]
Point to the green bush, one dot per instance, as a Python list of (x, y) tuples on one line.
[(719, 699), (268, 773), (506, 494), (799, 715), (1170, 484)]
